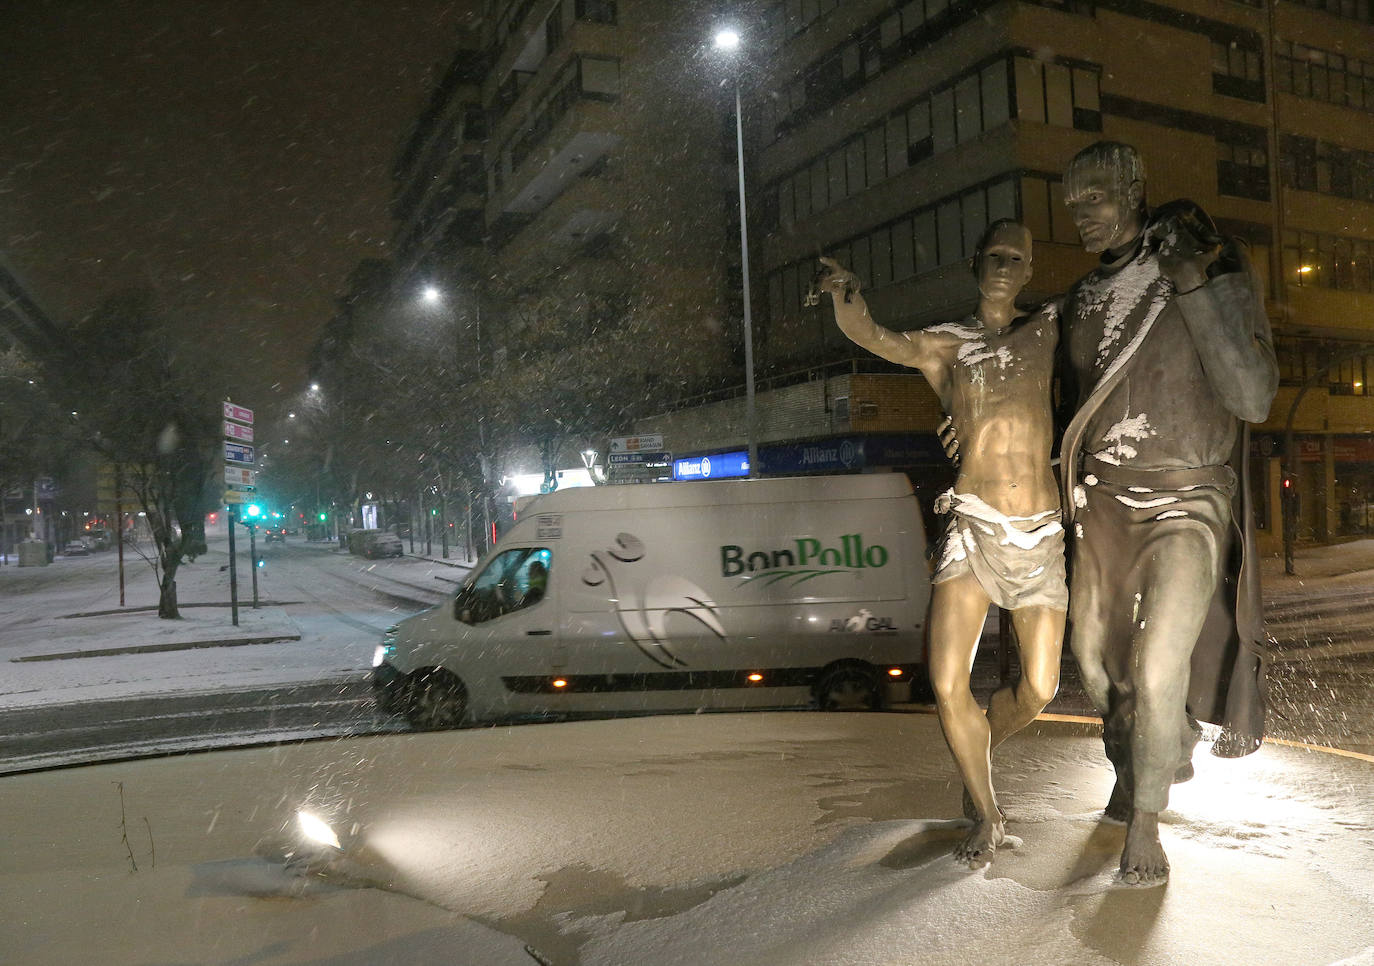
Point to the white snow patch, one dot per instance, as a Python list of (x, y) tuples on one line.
[(1146, 504), (1171, 514)]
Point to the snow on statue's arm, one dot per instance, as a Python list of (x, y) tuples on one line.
[(1225, 316)]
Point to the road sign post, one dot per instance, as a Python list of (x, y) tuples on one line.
[(239, 481), (233, 569)]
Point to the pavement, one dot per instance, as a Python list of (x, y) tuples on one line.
[(712, 840)]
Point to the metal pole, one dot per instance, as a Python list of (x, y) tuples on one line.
[(749, 416), (119, 528), (233, 569), (253, 559)]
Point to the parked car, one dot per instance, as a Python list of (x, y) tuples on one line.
[(75, 548), (382, 543)]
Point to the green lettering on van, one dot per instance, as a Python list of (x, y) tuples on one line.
[(811, 559), (731, 561)]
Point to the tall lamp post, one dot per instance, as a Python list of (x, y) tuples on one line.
[(729, 41)]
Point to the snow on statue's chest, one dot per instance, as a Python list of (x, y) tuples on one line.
[(1114, 308), (980, 356)]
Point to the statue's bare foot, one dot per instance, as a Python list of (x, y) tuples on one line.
[(1119, 806), (977, 849), (1143, 861), (971, 810)]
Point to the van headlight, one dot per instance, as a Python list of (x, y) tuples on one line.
[(387, 647)]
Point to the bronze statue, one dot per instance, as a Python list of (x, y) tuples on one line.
[(1004, 542), (1168, 342)]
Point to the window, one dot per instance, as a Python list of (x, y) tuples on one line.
[(1237, 70), (942, 120), (1311, 165), (1309, 72), (600, 77), (596, 11), (1058, 95), (1361, 10), (903, 251), (1242, 170), (1340, 262), (1054, 93), (512, 581)]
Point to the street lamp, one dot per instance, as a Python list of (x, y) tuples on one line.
[(728, 40), (431, 295)]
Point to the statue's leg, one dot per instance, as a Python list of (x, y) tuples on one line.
[(1093, 619), (1040, 639), (1180, 577), (958, 610)]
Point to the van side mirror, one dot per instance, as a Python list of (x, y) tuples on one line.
[(462, 607)]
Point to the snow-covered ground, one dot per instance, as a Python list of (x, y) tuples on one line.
[(64, 637), (747, 840)]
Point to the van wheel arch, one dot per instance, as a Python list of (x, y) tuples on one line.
[(435, 699), (849, 685)]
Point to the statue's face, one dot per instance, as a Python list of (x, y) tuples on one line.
[(1005, 265), (1106, 214)]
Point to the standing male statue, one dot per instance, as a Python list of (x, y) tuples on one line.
[(1004, 541), (1170, 347)]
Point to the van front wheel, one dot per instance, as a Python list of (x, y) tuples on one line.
[(436, 700), (849, 689)]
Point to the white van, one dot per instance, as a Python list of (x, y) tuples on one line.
[(676, 596)]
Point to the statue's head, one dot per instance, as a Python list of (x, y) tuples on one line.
[(1104, 187), (1002, 260)]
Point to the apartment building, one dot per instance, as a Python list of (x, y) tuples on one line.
[(568, 166), (888, 134), (580, 151)]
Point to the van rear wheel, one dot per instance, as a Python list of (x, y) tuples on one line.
[(849, 689), (436, 700)]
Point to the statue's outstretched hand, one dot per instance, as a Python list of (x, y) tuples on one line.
[(834, 278), (949, 440)]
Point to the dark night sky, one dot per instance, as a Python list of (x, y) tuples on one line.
[(232, 154)]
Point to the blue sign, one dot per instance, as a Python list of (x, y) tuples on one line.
[(238, 453), (717, 466), (826, 455)]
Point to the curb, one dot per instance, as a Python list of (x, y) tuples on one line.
[(155, 648)]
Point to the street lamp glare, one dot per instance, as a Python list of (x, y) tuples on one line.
[(314, 387), (727, 40), (430, 294)]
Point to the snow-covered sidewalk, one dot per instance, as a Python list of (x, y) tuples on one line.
[(761, 839)]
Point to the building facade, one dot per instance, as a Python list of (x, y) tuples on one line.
[(889, 134), (579, 156)]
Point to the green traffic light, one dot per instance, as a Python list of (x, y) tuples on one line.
[(324, 517), (254, 510)]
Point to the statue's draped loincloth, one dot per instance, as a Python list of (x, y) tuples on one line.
[(1018, 561)]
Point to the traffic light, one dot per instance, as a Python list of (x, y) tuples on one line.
[(253, 510), (323, 516)]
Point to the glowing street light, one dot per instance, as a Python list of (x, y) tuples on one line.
[(431, 295)]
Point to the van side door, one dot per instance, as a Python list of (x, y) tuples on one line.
[(514, 600)]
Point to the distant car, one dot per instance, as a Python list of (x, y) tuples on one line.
[(274, 533), (75, 548), (383, 544)]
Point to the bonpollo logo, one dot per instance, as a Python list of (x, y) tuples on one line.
[(806, 558)]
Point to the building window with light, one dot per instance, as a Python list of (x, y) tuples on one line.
[(1315, 260)]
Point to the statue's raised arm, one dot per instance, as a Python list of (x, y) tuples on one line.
[(854, 320)]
